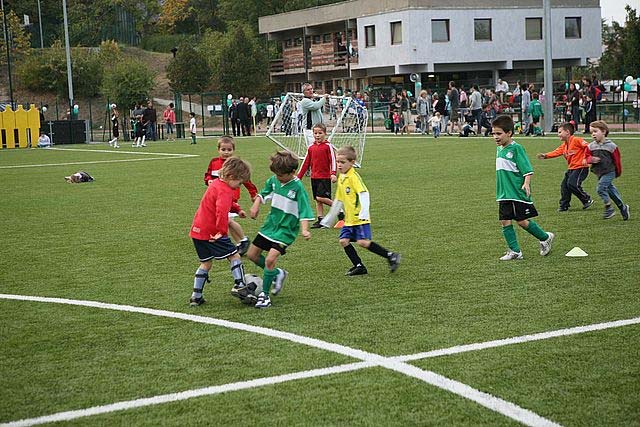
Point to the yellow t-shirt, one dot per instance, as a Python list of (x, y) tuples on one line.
[(349, 186)]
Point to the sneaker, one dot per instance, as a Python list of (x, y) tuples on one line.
[(545, 245), (116, 146), (357, 270), (279, 281), (394, 261), (194, 302), (588, 204), (263, 301), (243, 247), (609, 212), (625, 212), (509, 255), (240, 291), (316, 224), (563, 209)]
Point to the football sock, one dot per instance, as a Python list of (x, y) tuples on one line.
[(535, 230), (202, 276), (352, 254), (260, 262), (268, 277), (378, 250), (237, 271), (510, 236)]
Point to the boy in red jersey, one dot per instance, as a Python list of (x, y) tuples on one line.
[(211, 225), (226, 149), (574, 150), (322, 160)]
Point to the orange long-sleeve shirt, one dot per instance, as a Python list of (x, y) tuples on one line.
[(574, 151)]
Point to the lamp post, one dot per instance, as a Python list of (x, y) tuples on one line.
[(68, 52), (6, 44), (40, 23)]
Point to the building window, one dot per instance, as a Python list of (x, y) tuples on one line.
[(288, 43), (573, 28), (533, 28), (440, 30), (370, 36), (297, 41), (326, 38), (316, 39), (396, 32), (482, 29)]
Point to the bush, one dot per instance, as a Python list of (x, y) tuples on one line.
[(127, 82), (164, 42)]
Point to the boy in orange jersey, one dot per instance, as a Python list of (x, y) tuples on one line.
[(211, 225), (574, 150), (322, 161), (226, 149)]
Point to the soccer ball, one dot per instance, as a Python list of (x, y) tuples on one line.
[(254, 286)]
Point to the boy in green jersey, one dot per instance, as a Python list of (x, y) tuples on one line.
[(513, 190), (290, 209)]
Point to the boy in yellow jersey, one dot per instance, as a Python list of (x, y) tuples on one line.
[(352, 195)]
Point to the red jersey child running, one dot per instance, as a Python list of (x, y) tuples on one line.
[(226, 149), (211, 225), (322, 160)]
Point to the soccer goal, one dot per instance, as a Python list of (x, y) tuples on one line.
[(345, 119)]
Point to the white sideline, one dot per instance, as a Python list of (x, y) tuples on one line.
[(164, 156), (397, 364)]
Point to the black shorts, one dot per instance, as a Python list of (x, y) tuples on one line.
[(321, 187), (519, 211), (220, 249), (266, 244), (116, 131)]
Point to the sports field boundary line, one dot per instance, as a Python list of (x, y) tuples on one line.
[(164, 156), (397, 364)]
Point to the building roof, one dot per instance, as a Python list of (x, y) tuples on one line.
[(358, 8)]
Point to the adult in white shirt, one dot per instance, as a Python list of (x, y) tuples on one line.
[(502, 87)]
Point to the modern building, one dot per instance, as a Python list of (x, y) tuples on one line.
[(361, 44)]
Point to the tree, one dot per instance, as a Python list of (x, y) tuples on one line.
[(621, 56), (243, 63), (189, 71), (128, 81), (19, 38)]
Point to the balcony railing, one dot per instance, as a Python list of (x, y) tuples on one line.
[(335, 59)]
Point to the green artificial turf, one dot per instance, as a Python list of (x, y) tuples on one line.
[(123, 239)]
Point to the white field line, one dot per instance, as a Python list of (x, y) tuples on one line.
[(496, 404), (161, 156)]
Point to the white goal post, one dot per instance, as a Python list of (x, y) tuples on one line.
[(345, 119)]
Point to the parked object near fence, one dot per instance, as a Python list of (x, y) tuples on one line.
[(18, 129), (67, 131)]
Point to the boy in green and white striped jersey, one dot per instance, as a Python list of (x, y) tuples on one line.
[(290, 211), (513, 190)]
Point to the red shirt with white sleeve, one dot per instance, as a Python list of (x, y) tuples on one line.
[(321, 157)]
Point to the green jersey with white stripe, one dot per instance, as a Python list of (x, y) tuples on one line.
[(289, 205), (512, 165)]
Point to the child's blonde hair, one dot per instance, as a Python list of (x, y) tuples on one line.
[(283, 163), (602, 125), (236, 168), (226, 139), (348, 151)]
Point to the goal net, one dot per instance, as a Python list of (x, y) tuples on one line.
[(345, 119)]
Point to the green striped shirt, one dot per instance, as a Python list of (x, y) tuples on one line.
[(289, 205), (512, 165)]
